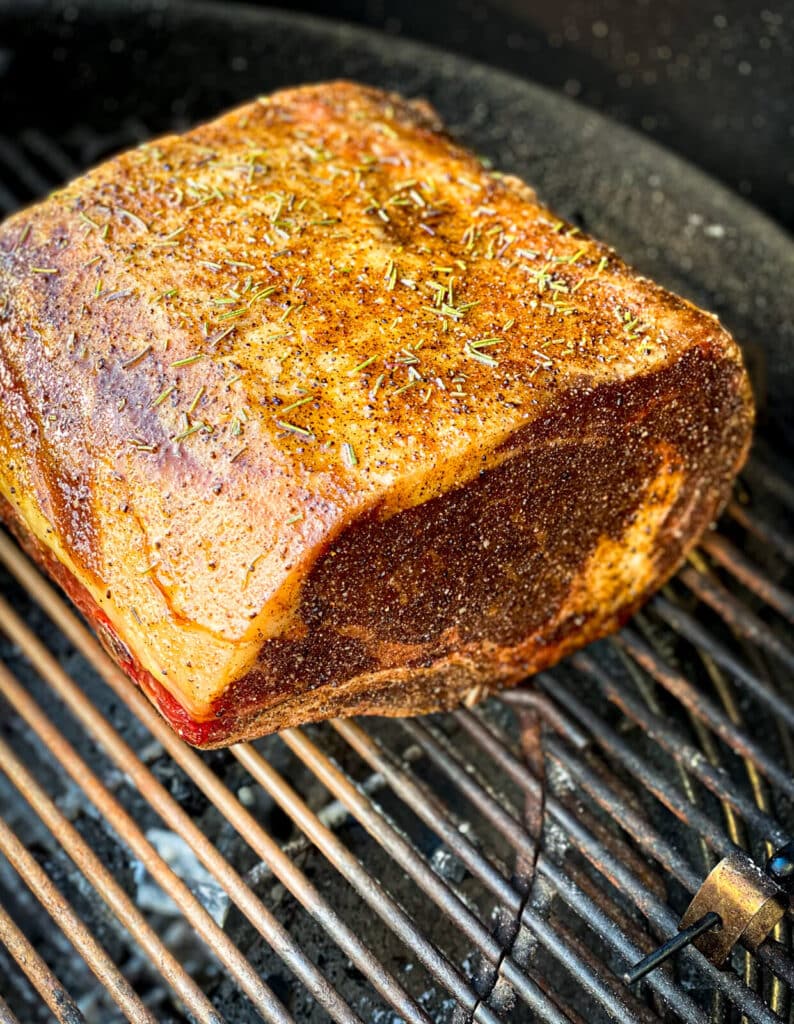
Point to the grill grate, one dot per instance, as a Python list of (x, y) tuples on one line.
[(509, 862)]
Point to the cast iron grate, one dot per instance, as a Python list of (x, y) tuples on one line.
[(503, 863)]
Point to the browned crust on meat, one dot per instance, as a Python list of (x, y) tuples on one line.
[(296, 255)]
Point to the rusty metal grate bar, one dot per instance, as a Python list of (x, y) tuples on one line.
[(520, 857)]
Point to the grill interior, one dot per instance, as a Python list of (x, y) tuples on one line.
[(501, 863)]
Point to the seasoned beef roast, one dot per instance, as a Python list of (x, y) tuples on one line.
[(312, 414)]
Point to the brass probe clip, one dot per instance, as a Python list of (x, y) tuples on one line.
[(737, 902)]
